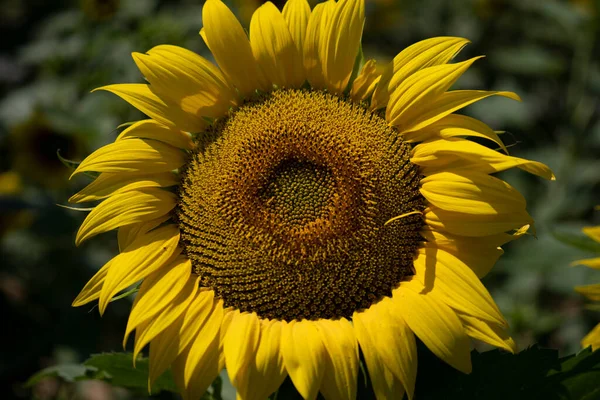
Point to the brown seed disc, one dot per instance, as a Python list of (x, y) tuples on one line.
[(284, 212)]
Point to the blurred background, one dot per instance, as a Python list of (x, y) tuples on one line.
[(53, 53)]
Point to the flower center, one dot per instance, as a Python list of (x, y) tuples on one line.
[(284, 211)]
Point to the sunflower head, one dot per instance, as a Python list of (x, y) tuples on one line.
[(292, 206)]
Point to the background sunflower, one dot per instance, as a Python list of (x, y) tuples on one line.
[(58, 51)]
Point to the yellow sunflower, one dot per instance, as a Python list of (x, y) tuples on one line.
[(591, 291), (286, 210)]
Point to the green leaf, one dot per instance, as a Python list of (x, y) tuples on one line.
[(579, 241), (119, 371), (67, 372), (578, 376)]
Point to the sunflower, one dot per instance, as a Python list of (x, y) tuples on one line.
[(591, 291), (290, 212)]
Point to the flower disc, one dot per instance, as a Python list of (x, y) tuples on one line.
[(284, 213)]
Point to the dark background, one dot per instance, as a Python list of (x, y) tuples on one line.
[(53, 53)]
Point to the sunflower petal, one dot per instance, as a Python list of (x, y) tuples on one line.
[(145, 255), (417, 91), (240, 344), (304, 356), (125, 208), (161, 109), (188, 80), (435, 324), (133, 155), (274, 49), (128, 233), (339, 381), (174, 340), (342, 42), (386, 385), (477, 225), (448, 154), (478, 253), (265, 371), (196, 368), (91, 290), (316, 34), (588, 262), (593, 232), (167, 316), (423, 54), (204, 341), (446, 278), (471, 192), (390, 337), (444, 105), (297, 14), (491, 334), (157, 291), (592, 339), (592, 292), (454, 125), (108, 184), (229, 44), (365, 82), (150, 129)]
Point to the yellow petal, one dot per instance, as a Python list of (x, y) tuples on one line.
[(128, 233), (161, 109), (241, 343), (296, 14), (386, 385), (125, 208), (592, 339), (107, 184), (435, 324), (491, 334), (196, 368), (316, 35), (188, 80), (174, 340), (229, 44), (274, 49), (446, 104), (447, 154), (471, 192), (158, 290), (145, 255), (205, 340), (339, 380), (167, 316), (133, 155), (588, 262), (265, 368), (342, 42), (463, 224), (593, 232), (150, 129), (91, 290), (365, 83), (447, 279), (412, 98), (478, 253), (391, 338), (454, 125), (304, 356), (592, 292), (423, 54)]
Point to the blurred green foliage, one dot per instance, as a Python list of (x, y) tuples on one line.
[(53, 53)]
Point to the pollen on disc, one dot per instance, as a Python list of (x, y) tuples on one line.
[(283, 209)]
